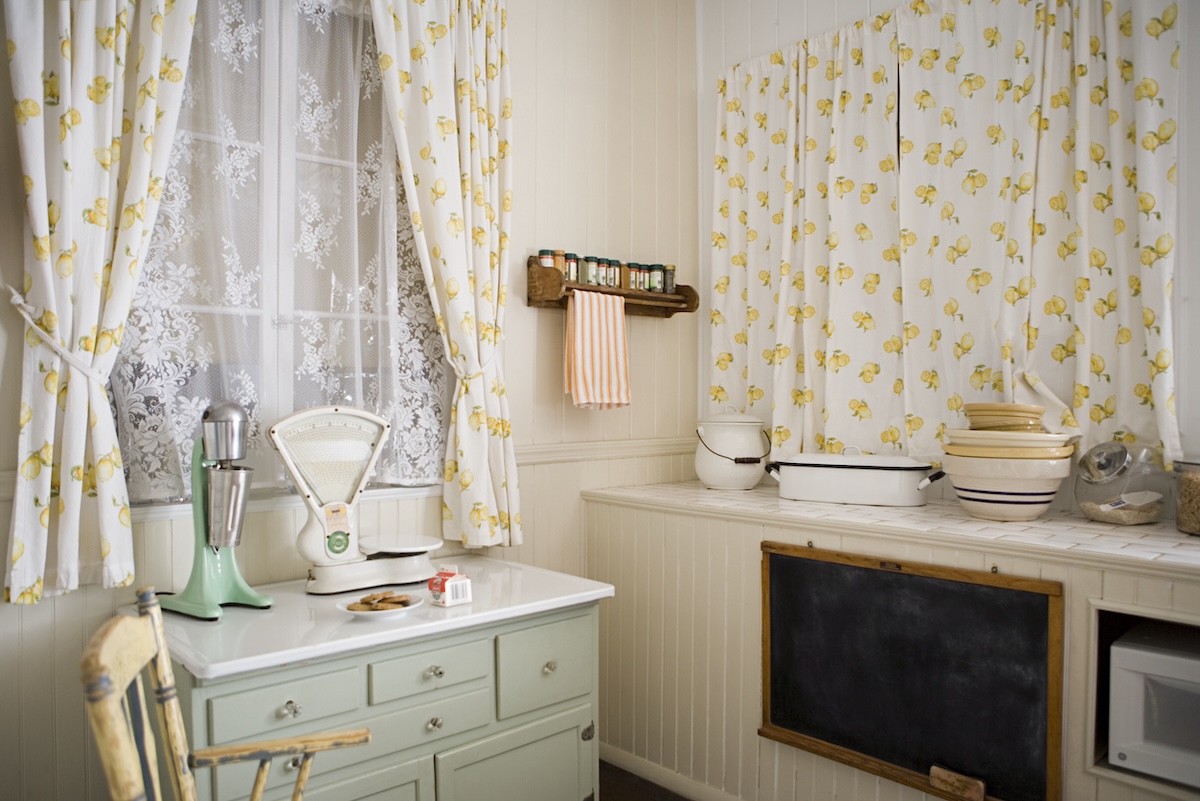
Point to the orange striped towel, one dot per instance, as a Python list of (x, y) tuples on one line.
[(597, 356)]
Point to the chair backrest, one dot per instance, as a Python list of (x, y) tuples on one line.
[(112, 669)]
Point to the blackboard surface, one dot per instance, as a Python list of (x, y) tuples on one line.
[(913, 670)]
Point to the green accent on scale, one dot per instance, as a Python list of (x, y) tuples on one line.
[(215, 578), (337, 542)]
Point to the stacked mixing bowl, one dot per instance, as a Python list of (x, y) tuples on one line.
[(1005, 466)]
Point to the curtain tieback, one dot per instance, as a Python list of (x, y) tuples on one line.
[(26, 311)]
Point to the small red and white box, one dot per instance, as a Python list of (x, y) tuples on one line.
[(449, 587)]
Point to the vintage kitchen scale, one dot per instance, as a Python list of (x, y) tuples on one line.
[(330, 452)]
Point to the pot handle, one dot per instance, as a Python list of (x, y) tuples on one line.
[(929, 479), (773, 470), (736, 459)]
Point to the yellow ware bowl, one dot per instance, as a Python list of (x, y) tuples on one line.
[(1006, 439), (991, 452), (1004, 408)]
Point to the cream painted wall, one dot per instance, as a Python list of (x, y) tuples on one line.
[(605, 108)]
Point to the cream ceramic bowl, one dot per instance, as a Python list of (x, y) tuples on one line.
[(1005, 489)]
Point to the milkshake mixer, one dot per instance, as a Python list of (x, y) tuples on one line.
[(220, 490)]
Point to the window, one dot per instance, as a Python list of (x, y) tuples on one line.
[(282, 272)]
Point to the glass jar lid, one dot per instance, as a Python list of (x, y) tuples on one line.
[(1104, 462)]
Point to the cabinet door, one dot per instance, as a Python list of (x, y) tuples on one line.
[(547, 760), (408, 781)]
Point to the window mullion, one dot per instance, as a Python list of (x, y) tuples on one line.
[(279, 204)]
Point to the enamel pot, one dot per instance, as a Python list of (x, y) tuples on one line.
[(732, 452)]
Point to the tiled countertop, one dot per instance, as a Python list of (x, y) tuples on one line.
[(1067, 536)]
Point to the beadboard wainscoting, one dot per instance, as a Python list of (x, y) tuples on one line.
[(680, 644)]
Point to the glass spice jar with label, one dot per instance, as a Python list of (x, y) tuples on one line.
[(572, 267)]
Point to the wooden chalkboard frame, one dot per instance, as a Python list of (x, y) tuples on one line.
[(935, 785)]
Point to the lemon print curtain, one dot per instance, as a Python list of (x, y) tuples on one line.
[(446, 82), (98, 86), (806, 288), (1038, 182), (1025, 244)]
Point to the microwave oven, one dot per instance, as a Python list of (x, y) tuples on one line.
[(1154, 701)]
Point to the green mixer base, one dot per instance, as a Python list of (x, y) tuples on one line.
[(215, 580)]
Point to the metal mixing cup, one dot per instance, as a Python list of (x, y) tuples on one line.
[(228, 492)]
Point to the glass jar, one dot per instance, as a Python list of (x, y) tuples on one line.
[(1122, 483), (669, 279), (1187, 512), (572, 267), (546, 258), (656, 278), (590, 275)]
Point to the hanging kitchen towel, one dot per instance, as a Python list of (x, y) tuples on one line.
[(597, 357)]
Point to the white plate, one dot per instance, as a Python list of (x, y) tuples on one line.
[(381, 615), (1006, 439)]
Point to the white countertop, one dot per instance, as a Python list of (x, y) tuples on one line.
[(300, 627), (1071, 536)]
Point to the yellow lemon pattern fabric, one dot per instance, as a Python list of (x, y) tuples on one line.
[(446, 81), (112, 85), (956, 202)]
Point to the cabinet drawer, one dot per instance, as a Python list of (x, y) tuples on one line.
[(272, 710), (543, 665), (432, 670), (391, 733)]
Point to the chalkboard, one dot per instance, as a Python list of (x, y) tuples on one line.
[(897, 667)]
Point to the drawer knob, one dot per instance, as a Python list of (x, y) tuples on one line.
[(290, 710), (434, 672), (549, 667), (434, 724)]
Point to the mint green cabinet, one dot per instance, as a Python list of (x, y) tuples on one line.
[(550, 759), (499, 711)]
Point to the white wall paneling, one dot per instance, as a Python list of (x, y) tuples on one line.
[(682, 683)]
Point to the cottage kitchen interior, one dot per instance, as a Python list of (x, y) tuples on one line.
[(614, 136)]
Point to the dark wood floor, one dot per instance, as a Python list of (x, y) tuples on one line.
[(620, 785)]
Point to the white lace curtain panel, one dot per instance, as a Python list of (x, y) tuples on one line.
[(282, 273), (949, 203)]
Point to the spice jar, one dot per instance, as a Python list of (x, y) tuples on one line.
[(669, 279), (656, 278), (560, 261), (572, 267), (590, 266), (1187, 513), (1122, 483), (546, 258)]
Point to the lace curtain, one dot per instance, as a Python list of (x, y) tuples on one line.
[(946, 204), (282, 272)]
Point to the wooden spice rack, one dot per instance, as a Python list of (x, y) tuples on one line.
[(549, 288)]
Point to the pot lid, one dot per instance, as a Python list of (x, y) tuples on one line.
[(732, 416), (1104, 462), (860, 461)]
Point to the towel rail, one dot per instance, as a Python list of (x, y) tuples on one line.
[(548, 288)]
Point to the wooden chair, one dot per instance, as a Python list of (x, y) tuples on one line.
[(116, 703)]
